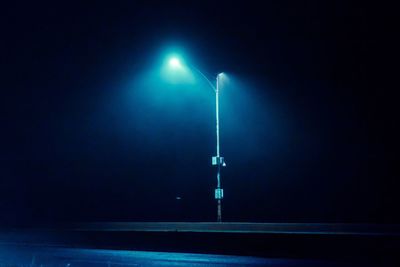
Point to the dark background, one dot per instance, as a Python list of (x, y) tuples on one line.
[(308, 118)]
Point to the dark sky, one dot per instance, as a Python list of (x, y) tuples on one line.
[(309, 112)]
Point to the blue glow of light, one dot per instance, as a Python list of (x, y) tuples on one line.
[(175, 62), (175, 71)]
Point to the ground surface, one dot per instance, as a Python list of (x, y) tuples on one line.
[(201, 244), (22, 255)]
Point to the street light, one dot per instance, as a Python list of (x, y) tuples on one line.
[(217, 160), (174, 62)]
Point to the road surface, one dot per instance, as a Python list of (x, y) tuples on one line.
[(32, 256)]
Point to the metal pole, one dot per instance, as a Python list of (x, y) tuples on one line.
[(216, 160), (219, 200)]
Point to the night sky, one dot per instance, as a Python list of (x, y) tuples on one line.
[(90, 133)]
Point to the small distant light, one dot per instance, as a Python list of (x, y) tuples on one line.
[(178, 198)]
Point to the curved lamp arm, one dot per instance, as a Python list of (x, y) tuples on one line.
[(205, 77)]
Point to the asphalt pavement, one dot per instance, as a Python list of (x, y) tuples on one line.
[(32, 256), (200, 244)]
